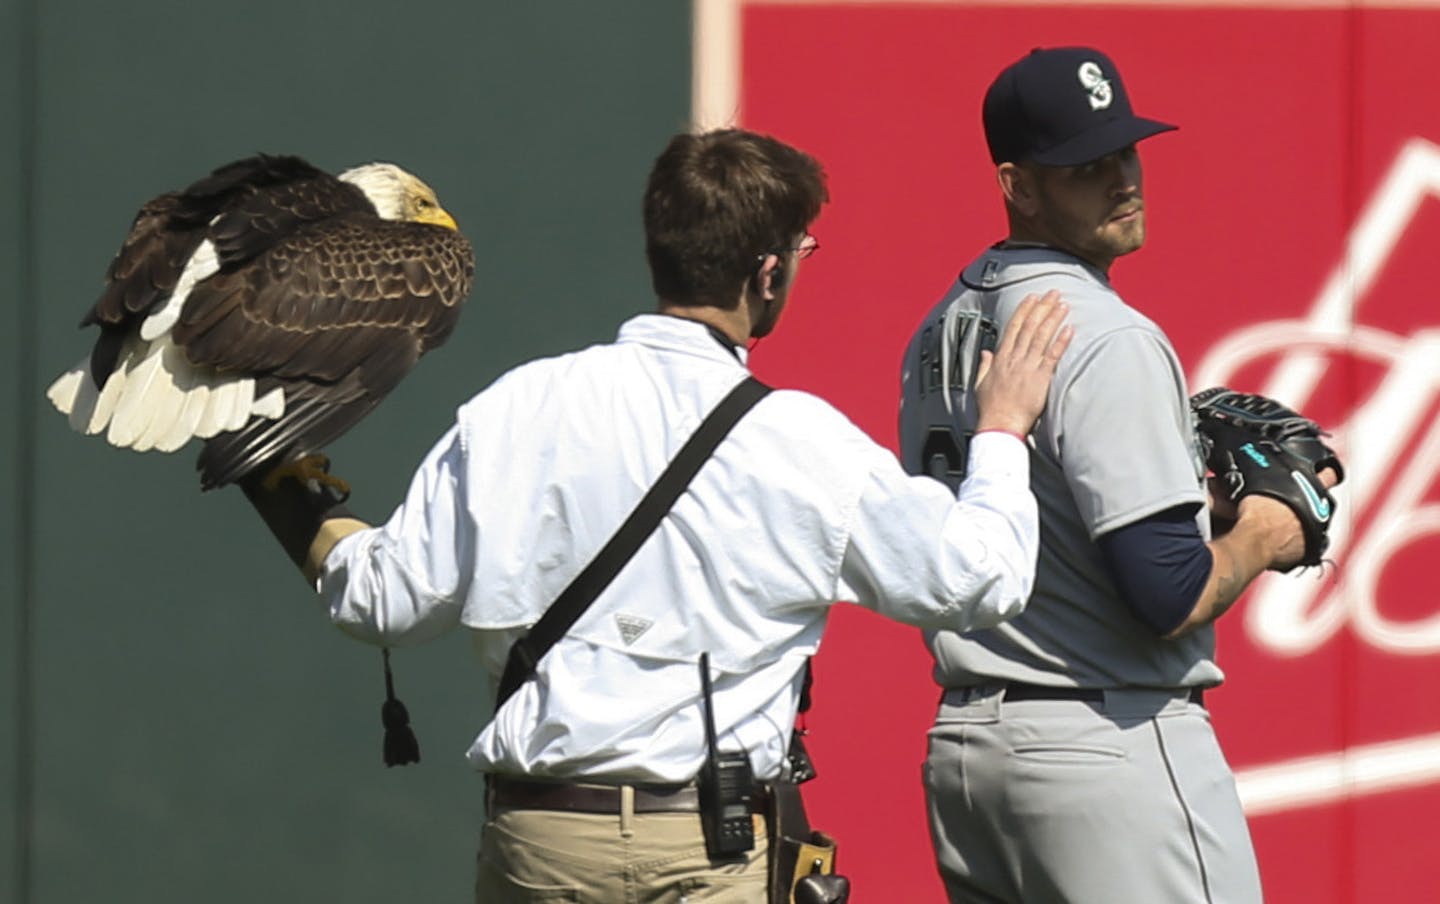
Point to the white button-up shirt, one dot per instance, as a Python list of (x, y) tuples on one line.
[(797, 508)]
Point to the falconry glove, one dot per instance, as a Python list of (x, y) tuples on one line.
[(304, 507), (1256, 445)]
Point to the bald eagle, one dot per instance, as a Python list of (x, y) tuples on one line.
[(266, 309)]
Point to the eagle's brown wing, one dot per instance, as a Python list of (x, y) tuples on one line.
[(335, 315), (141, 276), (243, 207), (146, 268)]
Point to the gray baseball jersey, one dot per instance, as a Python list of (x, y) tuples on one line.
[(1114, 445)]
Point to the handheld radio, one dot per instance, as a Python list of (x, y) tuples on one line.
[(726, 781)]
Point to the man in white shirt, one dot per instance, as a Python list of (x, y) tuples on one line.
[(592, 763)]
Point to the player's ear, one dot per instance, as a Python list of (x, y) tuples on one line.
[(1017, 183)]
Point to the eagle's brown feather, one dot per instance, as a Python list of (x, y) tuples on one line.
[(312, 292)]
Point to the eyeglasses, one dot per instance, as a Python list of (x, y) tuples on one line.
[(808, 246)]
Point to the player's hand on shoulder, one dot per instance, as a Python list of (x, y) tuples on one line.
[(1015, 380)]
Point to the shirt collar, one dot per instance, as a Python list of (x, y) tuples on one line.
[(1004, 264), (681, 334)]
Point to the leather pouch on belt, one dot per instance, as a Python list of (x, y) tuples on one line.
[(802, 861)]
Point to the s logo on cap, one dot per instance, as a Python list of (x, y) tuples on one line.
[(1095, 82)]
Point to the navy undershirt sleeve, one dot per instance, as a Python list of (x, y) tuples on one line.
[(1160, 565)]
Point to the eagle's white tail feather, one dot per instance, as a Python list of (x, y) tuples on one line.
[(112, 390), (155, 399), (197, 399), (67, 389), (202, 264), (167, 397), (244, 396), (219, 410), (143, 392), (74, 393), (232, 404), (271, 404)]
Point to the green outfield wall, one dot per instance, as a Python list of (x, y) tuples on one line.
[(179, 721)]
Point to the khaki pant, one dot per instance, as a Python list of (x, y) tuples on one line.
[(542, 855)]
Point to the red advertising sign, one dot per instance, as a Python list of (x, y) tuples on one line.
[(1292, 222)]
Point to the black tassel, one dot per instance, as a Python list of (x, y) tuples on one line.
[(401, 747)]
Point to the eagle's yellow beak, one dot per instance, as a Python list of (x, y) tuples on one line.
[(436, 215)]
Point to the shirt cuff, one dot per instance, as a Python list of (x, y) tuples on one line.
[(999, 458), (337, 560)]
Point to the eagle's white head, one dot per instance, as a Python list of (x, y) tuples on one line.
[(398, 195)]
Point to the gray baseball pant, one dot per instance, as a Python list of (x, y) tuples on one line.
[(1129, 801)]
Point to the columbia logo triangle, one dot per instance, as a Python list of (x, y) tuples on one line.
[(632, 626)]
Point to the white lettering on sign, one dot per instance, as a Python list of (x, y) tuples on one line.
[(1328, 777), (1392, 455)]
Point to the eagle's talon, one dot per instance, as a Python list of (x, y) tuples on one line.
[(306, 469)]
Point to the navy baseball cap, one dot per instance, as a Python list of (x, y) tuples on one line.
[(1061, 106)]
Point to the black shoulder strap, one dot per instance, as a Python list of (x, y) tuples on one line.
[(596, 576)]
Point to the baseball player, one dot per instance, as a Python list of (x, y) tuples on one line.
[(1072, 758)]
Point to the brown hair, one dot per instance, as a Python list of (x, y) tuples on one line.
[(718, 200)]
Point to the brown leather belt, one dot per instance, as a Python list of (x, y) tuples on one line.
[(523, 794)]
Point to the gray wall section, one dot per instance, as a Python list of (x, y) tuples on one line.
[(200, 731)]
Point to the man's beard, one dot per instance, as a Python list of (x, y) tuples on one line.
[(1106, 241), (1123, 238)]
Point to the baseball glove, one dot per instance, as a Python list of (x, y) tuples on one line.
[(1257, 445)]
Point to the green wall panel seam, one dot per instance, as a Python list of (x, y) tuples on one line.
[(25, 439)]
